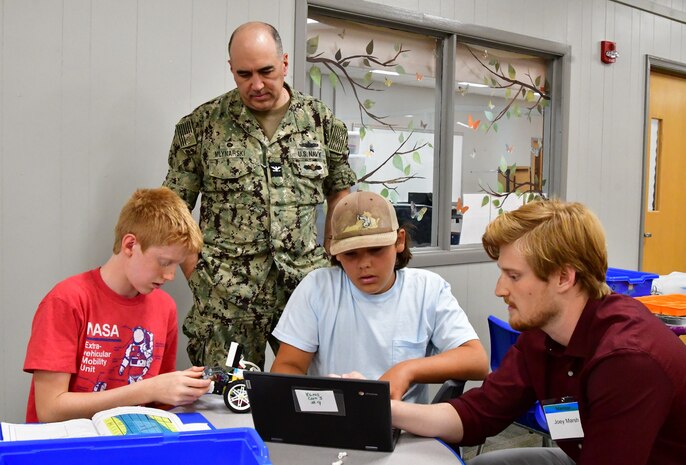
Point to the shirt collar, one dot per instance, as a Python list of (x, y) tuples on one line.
[(579, 342)]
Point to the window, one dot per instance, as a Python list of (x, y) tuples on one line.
[(501, 101), (452, 130), (381, 83)]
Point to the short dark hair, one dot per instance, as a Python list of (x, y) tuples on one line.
[(402, 259)]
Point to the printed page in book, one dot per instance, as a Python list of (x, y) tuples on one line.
[(80, 428), (121, 421)]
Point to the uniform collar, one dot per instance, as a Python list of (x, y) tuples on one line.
[(292, 122)]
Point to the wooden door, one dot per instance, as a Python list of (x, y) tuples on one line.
[(664, 242)]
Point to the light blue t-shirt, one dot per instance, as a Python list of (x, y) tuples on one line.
[(350, 330)]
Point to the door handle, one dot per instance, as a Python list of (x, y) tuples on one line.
[(647, 234)]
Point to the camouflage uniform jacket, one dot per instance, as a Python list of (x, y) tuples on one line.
[(258, 196)]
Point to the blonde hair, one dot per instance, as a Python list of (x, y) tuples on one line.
[(553, 234), (157, 217)]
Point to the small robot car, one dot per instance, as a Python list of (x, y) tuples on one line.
[(230, 384)]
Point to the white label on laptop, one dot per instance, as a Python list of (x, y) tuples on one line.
[(563, 420), (316, 401)]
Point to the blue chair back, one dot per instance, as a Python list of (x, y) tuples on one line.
[(503, 336)]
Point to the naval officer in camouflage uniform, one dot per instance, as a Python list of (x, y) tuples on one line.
[(263, 156)]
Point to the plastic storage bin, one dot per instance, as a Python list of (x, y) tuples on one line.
[(240, 446), (671, 309), (633, 283)]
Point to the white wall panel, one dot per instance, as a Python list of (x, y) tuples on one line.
[(208, 56), (163, 48), (432, 7), (464, 10), (7, 383), (31, 180), (74, 87), (622, 83)]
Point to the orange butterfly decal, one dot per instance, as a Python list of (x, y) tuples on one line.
[(461, 208), (473, 124), (419, 76)]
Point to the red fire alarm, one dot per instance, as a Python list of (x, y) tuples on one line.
[(608, 51)]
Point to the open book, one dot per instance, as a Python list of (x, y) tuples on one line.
[(119, 421)]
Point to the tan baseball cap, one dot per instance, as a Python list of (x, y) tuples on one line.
[(363, 219)]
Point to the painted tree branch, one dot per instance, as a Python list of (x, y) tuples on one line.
[(543, 96), (517, 188), (338, 65), (397, 151), (330, 64)]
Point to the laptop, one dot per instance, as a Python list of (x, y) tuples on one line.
[(322, 411)]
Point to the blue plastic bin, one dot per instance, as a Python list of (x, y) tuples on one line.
[(241, 446), (633, 283)]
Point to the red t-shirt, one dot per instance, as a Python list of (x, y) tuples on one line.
[(103, 339)]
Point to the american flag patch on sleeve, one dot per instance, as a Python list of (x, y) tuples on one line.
[(185, 135), (338, 139)]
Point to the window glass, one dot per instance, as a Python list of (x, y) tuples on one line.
[(501, 101), (381, 83), (653, 163)]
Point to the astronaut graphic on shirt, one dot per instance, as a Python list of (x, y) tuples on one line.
[(138, 355)]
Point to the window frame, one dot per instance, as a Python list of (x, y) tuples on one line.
[(450, 32)]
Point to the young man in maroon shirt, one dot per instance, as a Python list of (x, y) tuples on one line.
[(611, 376)]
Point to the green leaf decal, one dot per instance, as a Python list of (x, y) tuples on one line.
[(312, 45), (398, 162), (316, 75), (511, 72)]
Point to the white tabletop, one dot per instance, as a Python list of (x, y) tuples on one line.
[(410, 449)]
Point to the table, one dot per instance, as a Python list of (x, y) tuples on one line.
[(410, 449)]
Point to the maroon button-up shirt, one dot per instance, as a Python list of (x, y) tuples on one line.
[(626, 369)]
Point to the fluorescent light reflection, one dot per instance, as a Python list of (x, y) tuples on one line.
[(471, 84)]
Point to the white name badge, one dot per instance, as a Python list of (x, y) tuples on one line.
[(563, 420)]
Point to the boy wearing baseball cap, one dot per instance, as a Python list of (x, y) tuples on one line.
[(369, 315)]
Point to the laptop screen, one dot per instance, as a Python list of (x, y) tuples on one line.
[(321, 411)]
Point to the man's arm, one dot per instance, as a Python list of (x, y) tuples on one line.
[(54, 402), (468, 361), (434, 420), (291, 360), (331, 202), (184, 174), (188, 265), (185, 169)]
